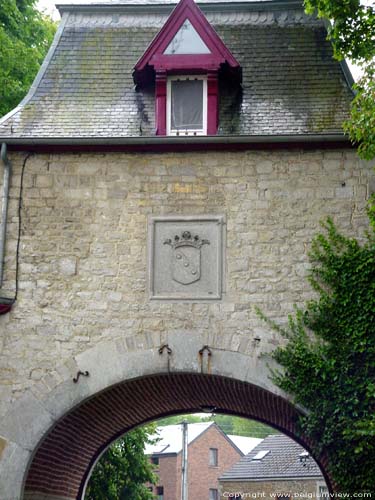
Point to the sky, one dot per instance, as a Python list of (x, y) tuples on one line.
[(48, 6)]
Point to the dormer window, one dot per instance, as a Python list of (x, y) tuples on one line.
[(187, 105), (185, 59)]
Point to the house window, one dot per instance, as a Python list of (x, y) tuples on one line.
[(261, 454), (155, 460), (322, 491), (214, 495), (213, 457), (159, 492), (187, 105)]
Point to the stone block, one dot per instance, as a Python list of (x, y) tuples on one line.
[(67, 395), (3, 445), (344, 192), (185, 347), (13, 465), (43, 181), (67, 266), (264, 167), (26, 413)]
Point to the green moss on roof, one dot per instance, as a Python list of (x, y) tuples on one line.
[(291, 84)]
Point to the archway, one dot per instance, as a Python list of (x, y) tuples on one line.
[(65, 457)]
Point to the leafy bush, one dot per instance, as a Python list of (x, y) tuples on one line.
[(329, 359), (123, 470), (25, 36)]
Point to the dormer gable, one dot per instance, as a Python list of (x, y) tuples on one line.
[(187, 25), (184, 59)]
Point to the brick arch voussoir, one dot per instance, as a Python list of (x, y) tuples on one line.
[(63, 460)]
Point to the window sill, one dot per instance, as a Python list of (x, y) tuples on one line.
[(187, 133)]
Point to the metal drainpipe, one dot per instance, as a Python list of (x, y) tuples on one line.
[(4, 208)]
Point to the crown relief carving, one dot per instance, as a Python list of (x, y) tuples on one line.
[(186, 239)]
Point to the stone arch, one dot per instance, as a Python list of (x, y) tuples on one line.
[(130, 383), (64, 459)]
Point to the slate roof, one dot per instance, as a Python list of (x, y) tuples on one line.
[(282, 462), (290, 84)]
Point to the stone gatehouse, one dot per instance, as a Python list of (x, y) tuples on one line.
[(157, 197)]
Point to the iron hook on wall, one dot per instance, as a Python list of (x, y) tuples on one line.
[(84, 374), (165, 347), (201, 352)]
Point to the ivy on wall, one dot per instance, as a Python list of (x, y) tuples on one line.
[(328, 362)]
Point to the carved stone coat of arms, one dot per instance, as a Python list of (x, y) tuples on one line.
[(186, 257)]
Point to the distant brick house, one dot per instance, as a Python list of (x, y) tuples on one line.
[(210, 453), (277, 468)]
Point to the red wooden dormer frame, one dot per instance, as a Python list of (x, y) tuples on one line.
[(163, 65)]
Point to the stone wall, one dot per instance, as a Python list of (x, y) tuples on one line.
[(83, 252)]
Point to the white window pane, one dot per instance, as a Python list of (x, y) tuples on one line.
[(160, 492), (323, 492), (213, 457), (186, 104), (213, 494), (261, 454), (187, 41)]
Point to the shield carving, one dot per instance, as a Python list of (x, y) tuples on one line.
[(186, 257), (186, 267)]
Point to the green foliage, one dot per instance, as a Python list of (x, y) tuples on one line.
[(329, 359), (352, 26), (178, 419), (252, 428), (361, 126), (25, 35), (229, 424), (225, 422), (352, 32), (243, 426), (123, 470)]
